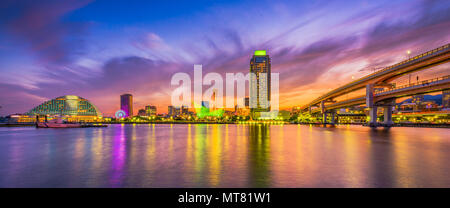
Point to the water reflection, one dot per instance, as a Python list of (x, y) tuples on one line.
[(259, 155), (165, 155), (118, 156), (200, 152)]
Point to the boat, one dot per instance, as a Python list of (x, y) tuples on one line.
[(60, 123), (57, 123)]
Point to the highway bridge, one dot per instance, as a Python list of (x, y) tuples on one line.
[(381, 79)]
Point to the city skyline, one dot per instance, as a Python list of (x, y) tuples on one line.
[(75, 51)]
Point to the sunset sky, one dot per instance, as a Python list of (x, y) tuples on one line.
[(101, 49)]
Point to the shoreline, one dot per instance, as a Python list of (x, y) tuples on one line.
[(417, 125)]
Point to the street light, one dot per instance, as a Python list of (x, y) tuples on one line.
[(409, 53)]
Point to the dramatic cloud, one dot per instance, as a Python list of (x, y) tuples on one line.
[(39, 24)]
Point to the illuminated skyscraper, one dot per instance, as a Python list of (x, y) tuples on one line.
[(126, 104), (259, 83)]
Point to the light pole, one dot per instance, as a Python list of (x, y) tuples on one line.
[(409, 53)]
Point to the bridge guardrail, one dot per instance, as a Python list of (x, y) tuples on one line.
[(353, 99), (413, 58), (415, 84)]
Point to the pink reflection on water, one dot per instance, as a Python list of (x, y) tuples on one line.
[(118, 157)]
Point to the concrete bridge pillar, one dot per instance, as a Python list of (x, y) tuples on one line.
[(387, 105), (333, 117), (325, 117), (322, 106), (369, 96), (324, 112), (371, 105), (373, 116), (388, 116)]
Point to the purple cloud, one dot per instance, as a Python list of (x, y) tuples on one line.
[(39, 25)]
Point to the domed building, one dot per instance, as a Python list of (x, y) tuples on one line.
[(71, 107)]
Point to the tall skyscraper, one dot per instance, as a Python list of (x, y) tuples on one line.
[(126, 104), (259, 83)]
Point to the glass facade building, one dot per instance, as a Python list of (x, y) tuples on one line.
[(446, 99), (150, 110), (173, 111), (259, 82), (73, 107), (126, 104)]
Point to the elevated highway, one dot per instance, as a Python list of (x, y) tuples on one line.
[(383, 77), (422, 87)]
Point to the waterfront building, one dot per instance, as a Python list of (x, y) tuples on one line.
[(170, 110), (284, 115), (446, 99), (297, 110), (429, 105), (126, 104), (141, 112), (260, 69), (173, 111), (406, 107), (22, 118), (72, 107), (184, 110), (247, 102), (417, 100), (243, 110), (150, 110)]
